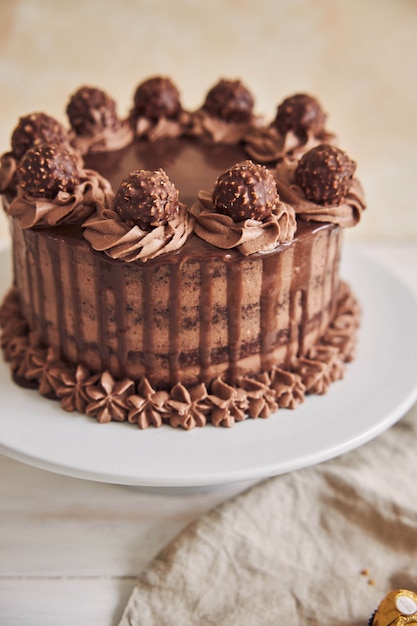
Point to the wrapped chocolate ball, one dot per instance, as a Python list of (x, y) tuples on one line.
[(230, 101), (245, 191), (45, 170), (147, 199), (35, 129), (156, 98), (91, 110), (301, 114), (325, 174), (399, 607)]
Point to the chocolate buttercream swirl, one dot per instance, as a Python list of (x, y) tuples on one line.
[(65, 208), (322, 366), (108, 399), (106, 232), (8, 167), (229, 403), (188, 408), (248, 236), (267, 145), (346, 214), (162, 128), (214, 130), (107, 139)]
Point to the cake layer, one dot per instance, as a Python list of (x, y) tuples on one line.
[(186, 317)]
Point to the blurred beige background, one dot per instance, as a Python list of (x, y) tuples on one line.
[(359, 57)]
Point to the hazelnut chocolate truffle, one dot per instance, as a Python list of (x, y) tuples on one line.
[(91, 110), (245, 191), (156, 98), (45, 170), (35, 129), (325, 174), (229, 101), (147, 199), (302, 114)]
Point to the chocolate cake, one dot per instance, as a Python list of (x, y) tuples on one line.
[(175, 266)]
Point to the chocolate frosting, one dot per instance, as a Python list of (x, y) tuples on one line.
[(65, 208), (346, 214), (106, 232), (248, 236), (267, 145), (104, 140), (162, 128), (214, 130)]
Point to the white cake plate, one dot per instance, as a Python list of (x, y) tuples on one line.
[(378, 389)]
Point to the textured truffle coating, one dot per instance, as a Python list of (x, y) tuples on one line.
[(45, 170), (147, 199), (325, 174), (35, 129), (90, 110), (245, 191), (157, 98), (229, 101), (300, 114)]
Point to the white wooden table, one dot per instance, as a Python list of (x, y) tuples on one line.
[(70, 549)]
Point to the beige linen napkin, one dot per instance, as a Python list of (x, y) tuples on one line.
[(321, 545)]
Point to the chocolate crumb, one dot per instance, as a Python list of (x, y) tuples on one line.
[(147, 199), (230, 101), (325, 174), (245, 191), (45, 170)]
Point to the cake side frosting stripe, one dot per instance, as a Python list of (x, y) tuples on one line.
[(206, 315), (148, 325), (174, 323), (234, 318)]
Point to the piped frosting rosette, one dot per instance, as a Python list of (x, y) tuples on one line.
[(104, 140), (145, 221), (226, 115), (299, 126), (96, 126), (52, 190), (322, 187), (244, 211), (157, 112), (249, 235), (106, 232)]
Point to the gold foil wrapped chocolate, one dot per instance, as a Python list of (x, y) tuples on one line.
[(397, 608)]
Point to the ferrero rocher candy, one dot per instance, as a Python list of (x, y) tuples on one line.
[(300, 114), (245, 191), (34, 129), (325, 174), (45, 170), (91, 110), (147, 199), (399, 607), (230, 101), (157, 98)]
